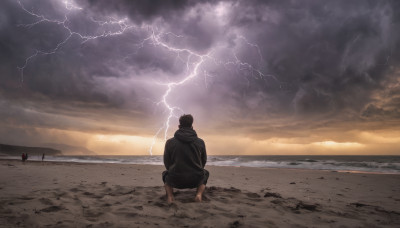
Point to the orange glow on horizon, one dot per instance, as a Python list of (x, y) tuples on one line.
[(338, 144), (358, 143)]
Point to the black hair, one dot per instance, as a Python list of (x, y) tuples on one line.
[(186, 120)]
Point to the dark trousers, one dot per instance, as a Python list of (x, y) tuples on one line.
[(186, 181)]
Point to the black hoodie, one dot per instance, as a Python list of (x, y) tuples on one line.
[(185, 155)]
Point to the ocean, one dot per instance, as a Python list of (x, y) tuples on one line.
[(373, 164)]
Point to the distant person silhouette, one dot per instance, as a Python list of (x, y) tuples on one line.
[(23, 156), (184, 158), (42, 156)]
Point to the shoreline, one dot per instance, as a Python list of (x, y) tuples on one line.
[(117, 163)]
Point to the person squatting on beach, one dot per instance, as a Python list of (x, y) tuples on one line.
[(184, 158)]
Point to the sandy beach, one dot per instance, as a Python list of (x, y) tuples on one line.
[(51, 194)]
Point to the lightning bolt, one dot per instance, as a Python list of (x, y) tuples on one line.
[(112, 26), (122, 25)]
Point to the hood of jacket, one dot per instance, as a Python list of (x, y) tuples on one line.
[(185, 135)]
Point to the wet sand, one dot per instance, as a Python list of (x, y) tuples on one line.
[(37, 194)]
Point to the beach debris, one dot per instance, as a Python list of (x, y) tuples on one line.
[(292, 182), (321, 178), (272, 194)]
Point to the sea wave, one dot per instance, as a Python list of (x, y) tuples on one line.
[(377, 164)]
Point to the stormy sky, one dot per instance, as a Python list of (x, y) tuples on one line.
[(259, 77)]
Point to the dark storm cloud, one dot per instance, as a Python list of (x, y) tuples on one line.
[(326, 61), (69, 75), (328, 56), (138, 10)]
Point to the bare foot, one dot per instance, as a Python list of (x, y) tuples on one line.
[(199, 193), (169, 191), (197, 198)]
